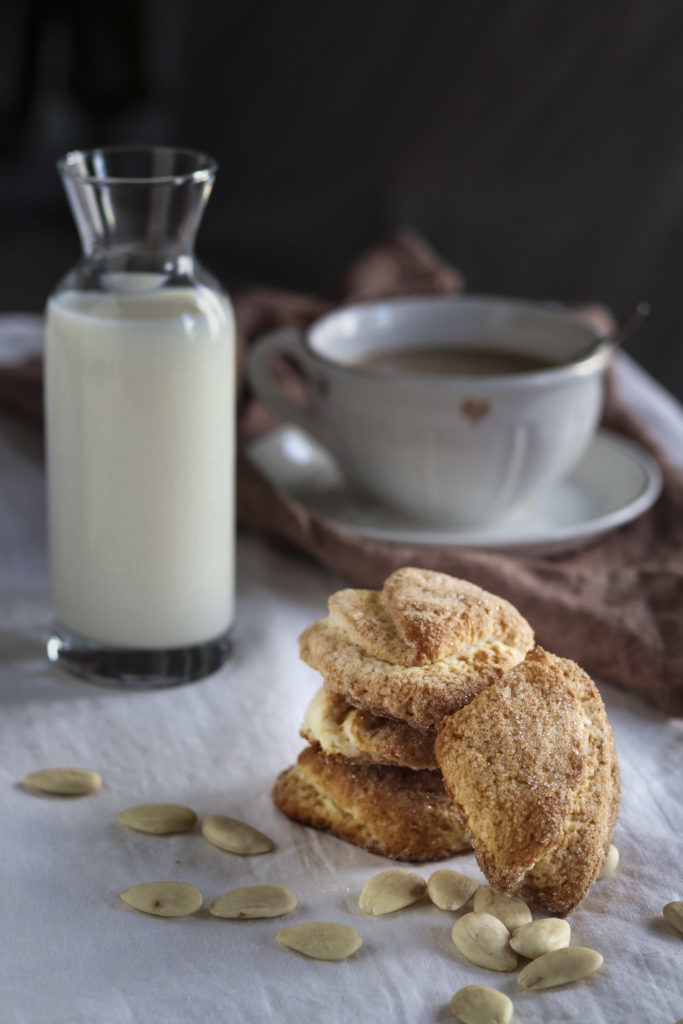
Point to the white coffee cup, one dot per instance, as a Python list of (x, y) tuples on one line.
[(445, 449)]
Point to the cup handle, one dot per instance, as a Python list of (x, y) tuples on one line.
[(289, 342)]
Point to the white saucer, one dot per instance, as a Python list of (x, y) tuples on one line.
[(615, 482), (21, 336)]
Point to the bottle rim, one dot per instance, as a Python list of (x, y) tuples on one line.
[(81, 165)]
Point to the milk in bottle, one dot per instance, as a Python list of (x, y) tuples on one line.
[(141, 438), (140, 408)]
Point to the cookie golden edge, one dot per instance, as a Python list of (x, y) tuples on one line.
[(398, 813)]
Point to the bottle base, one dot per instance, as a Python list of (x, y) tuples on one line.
[(126, 669)]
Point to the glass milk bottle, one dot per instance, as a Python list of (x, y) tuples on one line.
[(140, 409)]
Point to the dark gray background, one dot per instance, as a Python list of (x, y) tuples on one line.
[(539, 146)]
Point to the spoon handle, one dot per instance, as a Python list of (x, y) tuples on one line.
[(623, 330)]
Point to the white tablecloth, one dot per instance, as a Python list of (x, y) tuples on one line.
[(71, 952)]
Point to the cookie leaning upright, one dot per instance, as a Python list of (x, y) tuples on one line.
[(417, 650), (532, 767)]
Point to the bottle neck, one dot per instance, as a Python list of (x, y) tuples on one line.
[(138, 225), (127, 259)]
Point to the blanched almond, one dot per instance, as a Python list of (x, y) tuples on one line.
[(543, 936), (64, 781), (252, 901), (450, 890), (391, 890), (163, 899), (673, 913), (609, 864), (158, 819), (479, 1004), (321, 940), (485, 941), (511, 910), (560, 967), (235, 836)]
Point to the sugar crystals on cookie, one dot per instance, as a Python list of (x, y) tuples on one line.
[(532, 767), (417, 650)]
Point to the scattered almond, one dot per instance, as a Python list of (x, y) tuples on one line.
[(64, 781), (321, 940), (479, 1004), (252, 901), (560, 967), (543, 936), (163, 899), (609, 864), (159, 819), (485, 941), (450, 890), (511, 910), (673, 913), (391, 890), (235, 836)]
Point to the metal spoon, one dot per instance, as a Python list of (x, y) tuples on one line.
[(615, 337)]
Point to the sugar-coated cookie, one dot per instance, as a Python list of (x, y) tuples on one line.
[(395, 812), (532, 767), (417, 650)]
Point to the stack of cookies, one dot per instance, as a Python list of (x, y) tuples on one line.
[(440, 725), (394, 664)]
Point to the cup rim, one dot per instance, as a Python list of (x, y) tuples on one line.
[(591, 363), (205, 170)]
